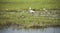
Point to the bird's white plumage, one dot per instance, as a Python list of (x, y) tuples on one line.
[(30, 10)]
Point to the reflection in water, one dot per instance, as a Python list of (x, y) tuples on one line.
[(45, 30)]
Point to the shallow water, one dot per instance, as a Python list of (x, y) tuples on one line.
[(45, 30)]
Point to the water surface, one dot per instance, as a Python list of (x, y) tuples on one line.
[(45, 30)]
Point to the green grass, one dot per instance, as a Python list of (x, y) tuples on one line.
[(26, 19), (25, 4)]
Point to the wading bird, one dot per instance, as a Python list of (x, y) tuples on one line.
[(30, 10)]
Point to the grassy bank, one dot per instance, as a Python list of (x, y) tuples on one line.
[(19, 15), (26, 19)]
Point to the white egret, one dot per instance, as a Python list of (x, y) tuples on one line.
[(30, 10)]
